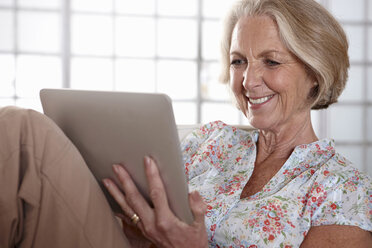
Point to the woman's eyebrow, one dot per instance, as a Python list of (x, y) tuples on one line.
[(261, 54), (236, 53), (270, 52)]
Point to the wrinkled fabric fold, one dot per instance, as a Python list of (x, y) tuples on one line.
[(48, 197)]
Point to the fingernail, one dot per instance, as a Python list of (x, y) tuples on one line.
[(117, 168), (147, 161), (106, 182)]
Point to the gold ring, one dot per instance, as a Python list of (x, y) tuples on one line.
[(135, 219)]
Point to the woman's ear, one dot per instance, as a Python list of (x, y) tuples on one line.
[(314, 91)]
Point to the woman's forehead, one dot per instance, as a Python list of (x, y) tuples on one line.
[(256, 34)]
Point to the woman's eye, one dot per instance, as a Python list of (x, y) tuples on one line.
[(238, 62), (270, 62)]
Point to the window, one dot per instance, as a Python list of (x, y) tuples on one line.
[(168, 46), (350, 121), (30, 50)]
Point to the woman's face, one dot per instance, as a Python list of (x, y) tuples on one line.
[(270, 85)]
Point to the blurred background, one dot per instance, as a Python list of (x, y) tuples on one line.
[(168, 46)]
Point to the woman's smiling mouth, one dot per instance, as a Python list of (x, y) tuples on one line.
[(261, 100)]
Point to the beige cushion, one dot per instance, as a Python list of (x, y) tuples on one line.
[(184, 130)]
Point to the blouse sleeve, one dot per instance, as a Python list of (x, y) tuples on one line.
[(347, 199), (192, 148)]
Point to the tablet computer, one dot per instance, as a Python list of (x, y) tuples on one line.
[(121, 127)]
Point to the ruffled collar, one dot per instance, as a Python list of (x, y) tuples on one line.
[(304, 161)]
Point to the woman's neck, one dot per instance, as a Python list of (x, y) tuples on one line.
[(280, 143)]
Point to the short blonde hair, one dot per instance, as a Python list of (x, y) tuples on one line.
[(310, 32)]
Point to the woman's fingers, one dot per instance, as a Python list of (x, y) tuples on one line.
[(132, 196), (198, 207), (159, 224), (157, 191), (119, 197)]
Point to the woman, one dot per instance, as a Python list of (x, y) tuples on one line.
[(279, 186)]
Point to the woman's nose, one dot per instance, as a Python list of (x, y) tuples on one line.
[(252, 76)]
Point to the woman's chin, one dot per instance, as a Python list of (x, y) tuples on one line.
[(260, 123)]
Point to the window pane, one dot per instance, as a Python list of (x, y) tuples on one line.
[(352, 153), (177, 79), (6, 30), (7, 76), (315, 120), (370, 18), (211, 37), (37, 72), (30, 103), (184, 113), (211, 88), (7, 102), (369, 42), (355, 36), (369, 84), (177, 38), (177, 7), (369, 125), (135, 7), (91, 5), (215, 8), (135, 37), (354, 85), (92, 35), (347, 10), (225, 112), (6, 3), (135, 75), (92, 74), (369, 161), (243, 119), (39, 31), (47, 4), (346, 123)]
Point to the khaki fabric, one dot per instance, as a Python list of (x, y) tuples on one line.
[(48, 197)]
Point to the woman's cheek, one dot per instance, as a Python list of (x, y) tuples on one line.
[(236, 82)]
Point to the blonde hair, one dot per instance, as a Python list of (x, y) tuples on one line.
[(310, 32)]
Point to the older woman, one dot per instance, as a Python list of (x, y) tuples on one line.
[(279, 186)]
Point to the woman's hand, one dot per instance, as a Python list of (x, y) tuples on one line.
[(131, 231), (133, 234), (159, 224)]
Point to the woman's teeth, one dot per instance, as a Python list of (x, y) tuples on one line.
[(260, 100)]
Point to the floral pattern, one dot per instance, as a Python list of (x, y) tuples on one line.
[(316, 186)]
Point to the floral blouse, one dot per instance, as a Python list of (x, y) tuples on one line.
[(316, 186)]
